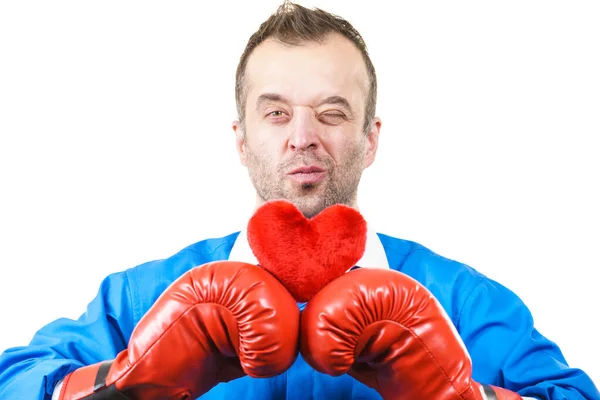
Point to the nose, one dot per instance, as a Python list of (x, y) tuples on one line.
[(304, 131)]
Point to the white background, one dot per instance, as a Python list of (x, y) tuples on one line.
[(116, 147)]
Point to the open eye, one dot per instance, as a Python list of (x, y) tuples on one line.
[(276, 114), (276, 117)]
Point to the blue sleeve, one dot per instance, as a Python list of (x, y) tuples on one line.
[(31, 372), (509, 352)]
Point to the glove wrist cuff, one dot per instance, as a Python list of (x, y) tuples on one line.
[(490, 392), (90, 381)]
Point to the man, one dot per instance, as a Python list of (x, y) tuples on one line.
[(306, 93)]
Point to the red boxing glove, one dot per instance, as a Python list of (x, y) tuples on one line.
[(217, 322), (388, 331)]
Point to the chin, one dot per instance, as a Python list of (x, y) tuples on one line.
[(310, 207)]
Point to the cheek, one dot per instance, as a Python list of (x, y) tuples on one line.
[(267, 143), (266, 152), (344, 150)]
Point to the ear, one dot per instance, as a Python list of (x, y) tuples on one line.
[(240, 141), (372, 142)]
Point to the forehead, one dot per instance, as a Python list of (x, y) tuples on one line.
[(308, 72)]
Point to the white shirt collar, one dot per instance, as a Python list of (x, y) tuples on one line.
[(373, 257)]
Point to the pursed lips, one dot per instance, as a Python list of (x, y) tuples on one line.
[(306, 170), (307, 175)]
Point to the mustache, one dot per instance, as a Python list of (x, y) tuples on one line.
[(306, 160)]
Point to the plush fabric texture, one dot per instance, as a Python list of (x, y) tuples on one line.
[(306, 254)]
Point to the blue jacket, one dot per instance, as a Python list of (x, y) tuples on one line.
[(497, 328)]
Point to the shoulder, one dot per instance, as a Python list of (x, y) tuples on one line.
[(148, 280), (422, 263), (450, 281), (201, 252)]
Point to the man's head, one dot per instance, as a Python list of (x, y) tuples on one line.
[(306, 93)]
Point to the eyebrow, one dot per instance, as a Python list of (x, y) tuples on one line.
[(265, 97), (338, 100)]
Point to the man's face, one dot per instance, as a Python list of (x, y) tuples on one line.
[(304, 139)]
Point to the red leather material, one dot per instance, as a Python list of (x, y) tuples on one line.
[(503, 394), (389, 332), (79, 382), (216, 323), (306, 254)]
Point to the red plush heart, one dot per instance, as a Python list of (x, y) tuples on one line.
[(306, 254)]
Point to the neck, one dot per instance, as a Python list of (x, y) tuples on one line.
[(259, 202)]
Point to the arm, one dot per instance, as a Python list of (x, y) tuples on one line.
[(389, 332), (217, 322), (508, 351), (32, 371)]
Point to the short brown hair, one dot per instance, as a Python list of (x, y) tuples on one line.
[(293, 24)]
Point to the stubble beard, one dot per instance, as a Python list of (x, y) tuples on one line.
[(340, 186)]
